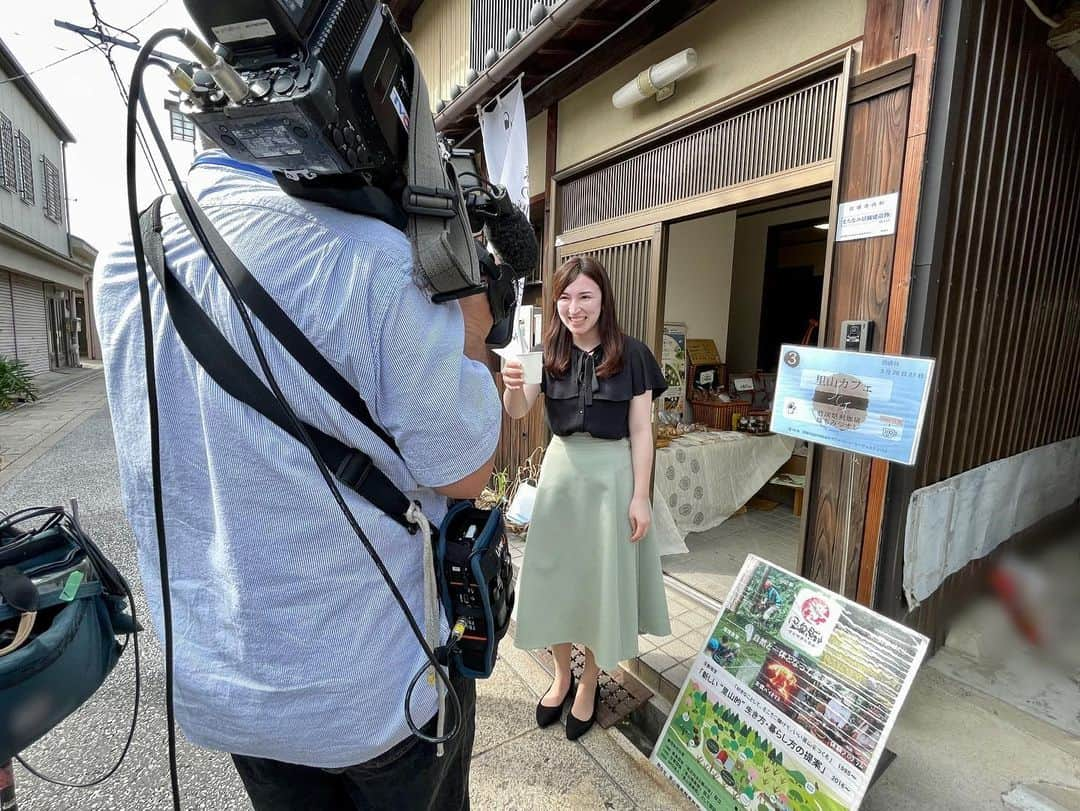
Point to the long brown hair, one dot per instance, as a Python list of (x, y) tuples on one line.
[(558, 341)]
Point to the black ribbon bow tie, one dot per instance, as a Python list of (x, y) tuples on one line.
[(585, 375)]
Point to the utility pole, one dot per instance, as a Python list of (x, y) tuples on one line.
[(94, 34)]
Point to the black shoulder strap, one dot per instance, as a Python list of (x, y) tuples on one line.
[(212, 351), (279, 324)]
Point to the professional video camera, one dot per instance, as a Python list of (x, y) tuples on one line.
[(328, 95)]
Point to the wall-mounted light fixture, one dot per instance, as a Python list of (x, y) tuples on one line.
[(658, 80)]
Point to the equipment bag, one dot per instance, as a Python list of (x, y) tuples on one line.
[(488, 588), (475, 584), (61, 615)]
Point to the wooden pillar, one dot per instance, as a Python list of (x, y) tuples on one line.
[(884, 146), (918, 36), (552, 214)]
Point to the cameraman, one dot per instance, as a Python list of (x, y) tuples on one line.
[(290, 651)]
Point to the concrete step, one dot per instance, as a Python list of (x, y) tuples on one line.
[(1042, 797)]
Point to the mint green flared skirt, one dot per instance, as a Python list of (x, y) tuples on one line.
[(582, 580)]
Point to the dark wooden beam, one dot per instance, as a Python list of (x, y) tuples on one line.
[(404, 11), (594, 24), (564, 54)]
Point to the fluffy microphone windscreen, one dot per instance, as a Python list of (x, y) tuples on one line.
[(512, 236)]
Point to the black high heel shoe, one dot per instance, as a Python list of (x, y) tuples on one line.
[(575, 727), (546, 716)]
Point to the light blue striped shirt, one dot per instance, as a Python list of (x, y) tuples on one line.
[(288, 645)]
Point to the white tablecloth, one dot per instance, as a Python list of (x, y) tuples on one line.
[(704, 477)]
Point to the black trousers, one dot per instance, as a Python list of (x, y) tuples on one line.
[(408, 777)]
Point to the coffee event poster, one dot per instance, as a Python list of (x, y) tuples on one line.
[(790, 703)]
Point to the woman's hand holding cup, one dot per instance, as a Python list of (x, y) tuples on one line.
[(513, 375)]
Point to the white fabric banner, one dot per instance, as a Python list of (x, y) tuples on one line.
[(966, 517), (506, 144)]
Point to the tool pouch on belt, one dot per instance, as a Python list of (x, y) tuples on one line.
[(61, 613)]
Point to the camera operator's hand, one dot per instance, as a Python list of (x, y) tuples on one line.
[(478, 322), (513, 375)]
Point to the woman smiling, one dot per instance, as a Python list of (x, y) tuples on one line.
[(591, 572)]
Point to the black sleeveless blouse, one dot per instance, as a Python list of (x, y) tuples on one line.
[(580, 402)]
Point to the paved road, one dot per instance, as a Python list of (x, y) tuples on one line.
[(74, 457), (27, 432), (515, 765)]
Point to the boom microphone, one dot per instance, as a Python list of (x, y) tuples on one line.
[(512, 236)]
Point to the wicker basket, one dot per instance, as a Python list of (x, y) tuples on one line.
[(719, 416)]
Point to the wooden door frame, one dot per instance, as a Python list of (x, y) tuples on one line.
[(887, 110)]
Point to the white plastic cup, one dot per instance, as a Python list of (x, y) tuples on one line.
[(533, 364)]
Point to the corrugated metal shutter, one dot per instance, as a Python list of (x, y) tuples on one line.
[(7, 317), (31, 323)]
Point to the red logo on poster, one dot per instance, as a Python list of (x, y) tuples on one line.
[(815, 610)]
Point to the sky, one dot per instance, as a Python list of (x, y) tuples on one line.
[(84, 94)]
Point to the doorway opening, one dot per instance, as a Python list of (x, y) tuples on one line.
[(739, 283)]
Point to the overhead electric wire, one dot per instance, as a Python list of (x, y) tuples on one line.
[(100, 26), (140, 21), (51, 64), (89, 47), (159, 181)]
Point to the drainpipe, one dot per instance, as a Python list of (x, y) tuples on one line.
[(557, 20)]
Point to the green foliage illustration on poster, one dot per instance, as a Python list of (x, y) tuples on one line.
[(756, 774), (673, 361)]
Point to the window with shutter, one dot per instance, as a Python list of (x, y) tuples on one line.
[(7, 155), (26, 168), (180, 126), (53, 208)]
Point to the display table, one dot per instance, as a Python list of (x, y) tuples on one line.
[(704, 477)]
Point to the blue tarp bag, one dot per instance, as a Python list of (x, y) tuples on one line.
[(62, 622)]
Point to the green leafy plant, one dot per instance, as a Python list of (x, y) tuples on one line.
[(497, 490), (500, 485), (16, 383)]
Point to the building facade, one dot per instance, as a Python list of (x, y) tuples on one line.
[(714, 211), (42, 277)]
